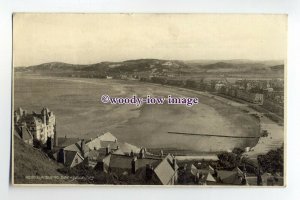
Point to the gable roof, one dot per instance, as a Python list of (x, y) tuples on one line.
[(164, 172), (107, 137), (101, 141), (26, 135), (95, 154), (238, 171), (111, 144), (16, 133), (118, 152), (170, 159), (193, 169), (231, 177), (94, 143), (210, 178), (207, 170), (70, 156), (23, 133), (77, 147), (210, 169), (66, 141)]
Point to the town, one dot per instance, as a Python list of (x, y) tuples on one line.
[(261, 94), (111, 161)]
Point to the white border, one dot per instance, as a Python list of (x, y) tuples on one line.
[(290, 7)]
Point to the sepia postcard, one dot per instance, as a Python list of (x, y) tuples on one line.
[(149, 99)]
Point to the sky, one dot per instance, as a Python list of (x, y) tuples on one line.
[(93, 38)]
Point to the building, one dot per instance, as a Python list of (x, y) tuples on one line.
[(256, 98), (23, 133), (234, 177), (73, 154), (110, 141), (147, 169), (94, 156), (41, 126), (192, 175), (99, 142)]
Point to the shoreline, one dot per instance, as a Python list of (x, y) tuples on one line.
[(206, 94)]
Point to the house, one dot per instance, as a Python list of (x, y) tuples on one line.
[(146, 168), (193, 175), (117, 161), (94, 156), (109, 140), (72, 158), (256, 98), (95, 144), (158, 170), (207, 179), (234, 177), (165, 172), (73, 154), (272, 179), (41, 126)]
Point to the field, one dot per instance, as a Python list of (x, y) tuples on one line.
[(79, 112)]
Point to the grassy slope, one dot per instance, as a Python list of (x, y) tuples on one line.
[(29, 161)]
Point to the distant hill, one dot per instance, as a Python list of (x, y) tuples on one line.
[(29, 161), (156, 66), (277, 67)]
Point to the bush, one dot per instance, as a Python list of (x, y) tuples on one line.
[(273, 161)]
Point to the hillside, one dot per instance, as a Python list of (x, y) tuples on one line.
[(29, 161), (157, 67)]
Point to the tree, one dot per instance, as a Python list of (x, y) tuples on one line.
[(272, 162)]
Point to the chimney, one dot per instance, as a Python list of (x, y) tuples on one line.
[(81, 144), (142, 153), (55, 136), (133, 165), (131, 153), (49, 143), (82, 147), (107, 150), (21, 132), (149, 172), (174, 163), (185, 167), (161, 153)]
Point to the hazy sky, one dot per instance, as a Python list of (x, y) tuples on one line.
[(92, 38)]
